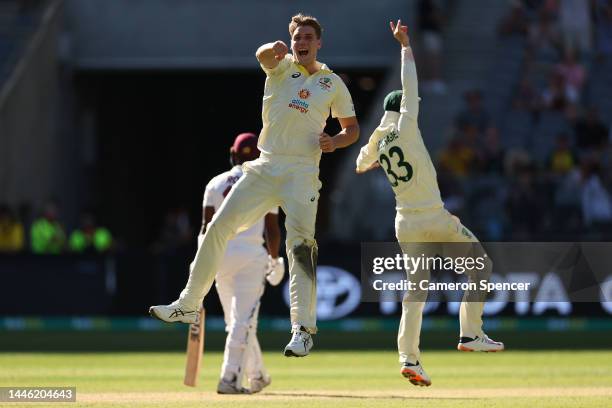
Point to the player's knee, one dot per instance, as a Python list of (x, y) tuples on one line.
[(305, 254), (221, 228)]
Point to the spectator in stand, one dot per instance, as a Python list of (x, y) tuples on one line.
[(524, 205), (492, 155), (562, 159), (515, 22), (176, 231), (603, 18), (544, 37), (572, 72), (527, 97), (532, 8), (457, 158), (471, 136), (431, 23), (575, 24), (11, 231), (558, 96), (47, 233), (515, 161), (90, 238), (474, 114), (596, 201), (591, 132)]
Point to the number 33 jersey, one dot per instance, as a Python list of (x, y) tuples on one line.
[(398, 147)]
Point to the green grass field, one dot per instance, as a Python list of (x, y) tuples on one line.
[(325, 378)]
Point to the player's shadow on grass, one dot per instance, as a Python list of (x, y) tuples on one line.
[(398, 397)]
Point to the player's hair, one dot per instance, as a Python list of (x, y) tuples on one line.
[(304, 20)]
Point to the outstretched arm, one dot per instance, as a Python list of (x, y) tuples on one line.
[(410, 85), (269, 55)]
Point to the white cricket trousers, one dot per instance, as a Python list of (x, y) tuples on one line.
[(291, 182), (430, 233), (240, 284)]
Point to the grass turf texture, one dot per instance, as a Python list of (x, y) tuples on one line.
[(325, 378)]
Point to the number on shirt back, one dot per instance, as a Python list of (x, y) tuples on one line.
[(397, 171)]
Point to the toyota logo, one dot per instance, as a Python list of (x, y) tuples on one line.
[(338, 293)]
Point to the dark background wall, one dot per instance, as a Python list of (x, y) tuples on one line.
[(162, 135)]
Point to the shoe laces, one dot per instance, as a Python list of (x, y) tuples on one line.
[(301, 336), (485, 339)]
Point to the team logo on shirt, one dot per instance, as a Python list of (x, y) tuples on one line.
[(304, 93), (325, 83), (296, 75), (299, 105)]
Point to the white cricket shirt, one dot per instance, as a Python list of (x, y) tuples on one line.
[(296, 106)]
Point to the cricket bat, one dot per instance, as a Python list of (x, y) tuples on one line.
[(195, 347)]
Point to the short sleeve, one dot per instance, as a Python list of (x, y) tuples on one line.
[(212, 197), (282, 66), (342, 105)]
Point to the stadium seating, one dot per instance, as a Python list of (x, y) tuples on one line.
[(16, 26)]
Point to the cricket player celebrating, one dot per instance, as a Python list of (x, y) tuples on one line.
[(240, 277), (422, 223), (298, 96)]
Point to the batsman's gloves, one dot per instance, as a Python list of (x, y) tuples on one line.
[(275, 271)]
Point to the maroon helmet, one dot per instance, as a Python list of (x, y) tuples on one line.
[(245, 147)]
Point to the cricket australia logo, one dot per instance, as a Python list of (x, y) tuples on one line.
[(304, 93), (325, 83)]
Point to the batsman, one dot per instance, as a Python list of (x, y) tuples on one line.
[(240, 278), (299, 94), (422, 225)]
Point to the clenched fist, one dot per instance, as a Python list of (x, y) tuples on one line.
[(326, 143), (280, 50)]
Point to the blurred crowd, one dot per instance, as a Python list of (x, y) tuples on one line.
[(46, 233), (432, 16), (541, 168)]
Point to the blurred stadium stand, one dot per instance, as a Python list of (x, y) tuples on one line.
[(483, 57), (213, 34), (34, 153)]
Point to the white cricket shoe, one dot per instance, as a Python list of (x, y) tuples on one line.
[(479, 344), (174, 312), (259, 383), (415, 374), (300, 344), (230, 387)]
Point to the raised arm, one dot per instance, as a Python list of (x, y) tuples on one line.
[(270, 54), (410, 85)]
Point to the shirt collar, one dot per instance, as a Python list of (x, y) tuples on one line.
[(324, 69)]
